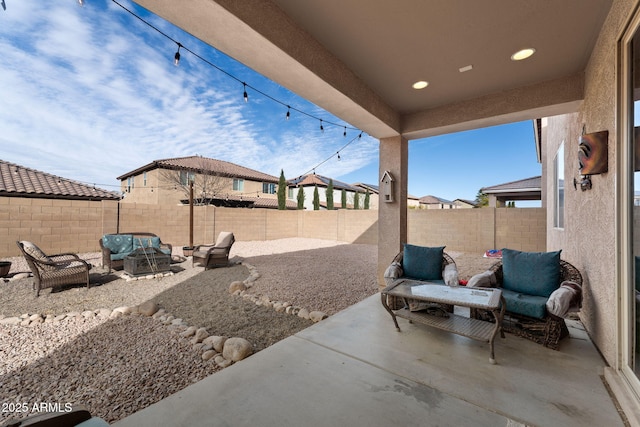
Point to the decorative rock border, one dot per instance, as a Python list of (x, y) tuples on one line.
[(222, 350), (238, 288)]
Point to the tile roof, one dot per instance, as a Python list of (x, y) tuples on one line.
[(19, 181), (250, 202), (322, 181), (204, 164), (533, 183), (429, 200)]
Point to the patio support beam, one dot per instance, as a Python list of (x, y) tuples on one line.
[(392, 217)]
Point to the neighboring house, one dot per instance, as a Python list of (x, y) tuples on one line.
[(412, 201), (215, 182), (19, 181), (433, 202), (464, 204), (309, 182), (523, 189)]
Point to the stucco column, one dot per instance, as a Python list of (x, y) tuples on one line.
[(392, 217)]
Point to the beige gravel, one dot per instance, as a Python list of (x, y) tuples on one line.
[(118, 366)]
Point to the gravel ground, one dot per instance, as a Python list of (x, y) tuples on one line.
[(104, 363)]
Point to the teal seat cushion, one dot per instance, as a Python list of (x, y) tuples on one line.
[(146, 242), (527, 305), (166, 251), (120, 256), (118, 243), (421, 262), (531, 273)]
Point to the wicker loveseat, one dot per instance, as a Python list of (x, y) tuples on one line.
[(115, 247), (532, 295), (51, 271), (420, 264)]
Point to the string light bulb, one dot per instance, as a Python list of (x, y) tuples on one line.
[(246, 95), (338, 153), (176, 57), (321, 127), (288, 113), (345, 132)]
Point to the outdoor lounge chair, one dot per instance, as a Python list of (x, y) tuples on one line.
[(216, 255), (541, 291), (51, 271), (421, 264)]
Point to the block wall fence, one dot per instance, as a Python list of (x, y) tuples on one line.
[(59, 226)]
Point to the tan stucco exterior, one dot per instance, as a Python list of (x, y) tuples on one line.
[(151, 187)]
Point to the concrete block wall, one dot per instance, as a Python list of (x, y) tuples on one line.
[(477, 230), (521, 229), (57, 226), (76, 226)]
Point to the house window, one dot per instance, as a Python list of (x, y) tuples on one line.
[(290, 194), (268, 188), (130, 183), (186, 176), (144, 179), (558, 190), (238, 184)]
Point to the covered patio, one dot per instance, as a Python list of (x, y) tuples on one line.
[(359, 61), (355, 369)]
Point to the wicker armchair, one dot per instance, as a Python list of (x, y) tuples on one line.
[(216, 255), (547, 331), (395, 272), (51, 271)]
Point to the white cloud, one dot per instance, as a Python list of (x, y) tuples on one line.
[(90, 94)]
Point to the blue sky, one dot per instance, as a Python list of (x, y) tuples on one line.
[(90, 93)]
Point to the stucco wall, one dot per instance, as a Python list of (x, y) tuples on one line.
[(588, 239)]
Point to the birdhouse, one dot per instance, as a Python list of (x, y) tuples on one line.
[(386, 190)]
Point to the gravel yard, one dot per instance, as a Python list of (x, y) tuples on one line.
[(116, 366)]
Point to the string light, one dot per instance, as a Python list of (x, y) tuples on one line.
[(4, 6), (345, 132), (338, 153), (321, 127), (176, 57), (288, 112), (228, 74), (246, 96)]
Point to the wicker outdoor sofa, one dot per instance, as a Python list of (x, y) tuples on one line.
[(116, 246), (544, 328)]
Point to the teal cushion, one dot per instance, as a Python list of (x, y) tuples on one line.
[(120, 256), (118, 243), (422, 263), (527, 305), (531, 273), (146, 242)]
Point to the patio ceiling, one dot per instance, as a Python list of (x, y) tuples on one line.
[(358, 59)]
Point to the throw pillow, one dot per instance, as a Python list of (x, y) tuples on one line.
[(36, 253), (531, 273), (422, 263)]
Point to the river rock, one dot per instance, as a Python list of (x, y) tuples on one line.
[(200, 334), (148, 308), (217, 342), (236, 349), (317, 316), (237, 286)]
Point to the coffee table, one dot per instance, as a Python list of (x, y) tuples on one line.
[(489, 299), (146, 261)]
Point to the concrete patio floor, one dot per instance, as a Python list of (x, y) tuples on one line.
[(355, 369)]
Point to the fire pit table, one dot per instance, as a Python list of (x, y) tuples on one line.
[(145, 261)]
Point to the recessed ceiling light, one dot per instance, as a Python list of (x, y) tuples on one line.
[(420, 85), (523, 54), (467, 68)]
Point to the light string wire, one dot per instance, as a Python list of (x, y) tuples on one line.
[(228, 74), (245, 86)]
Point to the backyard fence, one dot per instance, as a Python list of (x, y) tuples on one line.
[(76, 226)]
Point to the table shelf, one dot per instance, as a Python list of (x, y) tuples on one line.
[(461, 325)]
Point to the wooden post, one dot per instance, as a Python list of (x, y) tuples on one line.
[(191, 214)]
